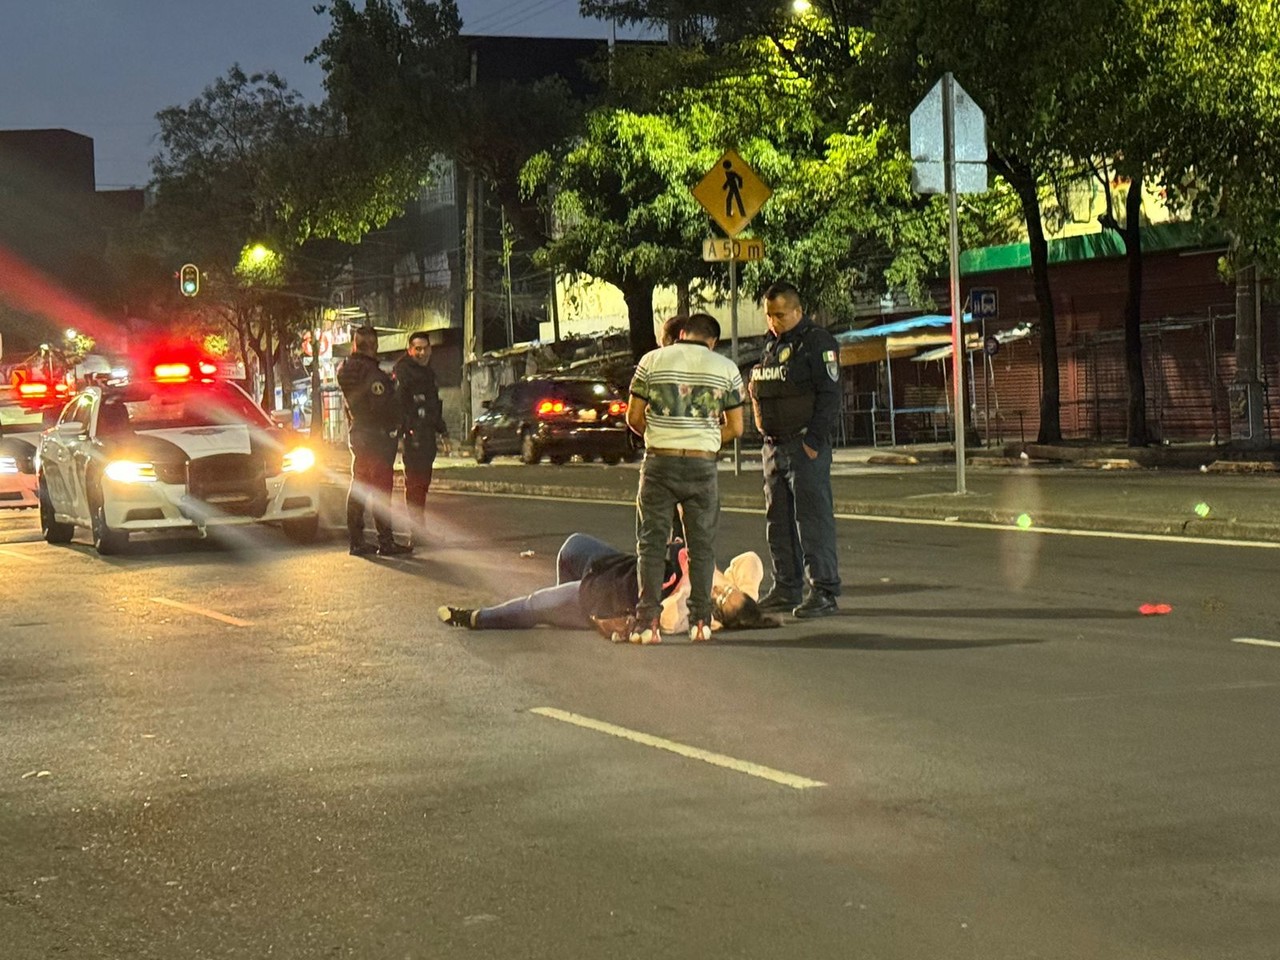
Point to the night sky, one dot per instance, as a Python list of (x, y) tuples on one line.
[(104, 68)]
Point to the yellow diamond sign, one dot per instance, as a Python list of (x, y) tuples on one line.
[(732, 193)]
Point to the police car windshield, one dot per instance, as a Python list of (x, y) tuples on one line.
[(157, 406)]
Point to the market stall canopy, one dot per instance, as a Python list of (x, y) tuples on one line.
[(973, 341), (898, 338)]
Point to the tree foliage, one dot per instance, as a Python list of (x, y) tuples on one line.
[(249, 162)]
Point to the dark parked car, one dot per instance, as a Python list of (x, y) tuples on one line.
[(556, 417)]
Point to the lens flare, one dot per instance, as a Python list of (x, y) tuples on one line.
[(1202, 509), (1024, 521)]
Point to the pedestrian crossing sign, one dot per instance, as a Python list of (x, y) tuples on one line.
[(732, 193)]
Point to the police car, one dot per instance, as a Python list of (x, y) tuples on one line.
[(181, 450), (25, 409)]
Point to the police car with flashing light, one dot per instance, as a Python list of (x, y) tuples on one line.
[(25, 410), (180, 451)]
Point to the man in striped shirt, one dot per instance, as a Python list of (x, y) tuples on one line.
[(686, 401)]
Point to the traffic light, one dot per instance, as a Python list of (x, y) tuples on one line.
[(189, 279)]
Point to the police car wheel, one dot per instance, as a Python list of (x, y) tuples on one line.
[(52, 530), (482, 451), (302, 530), (106, 540)]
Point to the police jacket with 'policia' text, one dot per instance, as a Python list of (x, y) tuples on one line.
[(795, 388), (420, 407), (373, 411)]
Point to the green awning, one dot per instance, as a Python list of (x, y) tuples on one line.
[(1090, 246)]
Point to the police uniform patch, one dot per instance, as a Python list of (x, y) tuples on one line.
[(378, 389), (833, 368), (784, 355)]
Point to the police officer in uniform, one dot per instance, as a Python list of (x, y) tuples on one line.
[(424, 429), (373, 426), (795, 393)]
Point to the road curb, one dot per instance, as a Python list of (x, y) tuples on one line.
[(1190, 528)]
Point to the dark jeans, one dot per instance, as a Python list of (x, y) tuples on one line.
[(800, 522), (372, 474), (553, 606), (417, 481), (694, 484)]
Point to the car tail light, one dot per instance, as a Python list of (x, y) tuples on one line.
[(617, 408), (33, 390), (552, 408)]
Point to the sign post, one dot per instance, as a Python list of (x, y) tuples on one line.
[(949, 155), (984, 304), (732, 194)]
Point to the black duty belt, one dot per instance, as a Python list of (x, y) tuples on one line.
[(671, 452)]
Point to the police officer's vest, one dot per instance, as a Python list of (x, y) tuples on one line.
[(782, 387), (370, 397)]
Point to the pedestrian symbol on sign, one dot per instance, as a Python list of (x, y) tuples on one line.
[(732, 193), (733, 190)]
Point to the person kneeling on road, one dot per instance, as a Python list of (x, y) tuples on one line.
[(596, 586)]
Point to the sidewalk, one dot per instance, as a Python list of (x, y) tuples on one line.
[(1083, 492)]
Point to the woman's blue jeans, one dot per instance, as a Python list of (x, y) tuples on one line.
[(551, 606)]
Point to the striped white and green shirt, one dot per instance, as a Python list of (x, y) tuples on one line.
[(687, 388)]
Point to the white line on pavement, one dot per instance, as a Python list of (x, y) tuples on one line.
[(20, 556), (1253, 641), (919, 522), (201, 611), (693, 753)]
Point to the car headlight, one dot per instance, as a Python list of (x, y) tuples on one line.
[(8, 465), (130, 471), (297, 460)]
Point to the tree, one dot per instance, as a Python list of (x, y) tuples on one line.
[(248, 166), (842, 220)]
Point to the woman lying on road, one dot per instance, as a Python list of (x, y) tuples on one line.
[(596, 586)]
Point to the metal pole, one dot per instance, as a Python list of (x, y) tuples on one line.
[(893, 414), (316, 431), (986, 387), (733, 327), (957, 335)]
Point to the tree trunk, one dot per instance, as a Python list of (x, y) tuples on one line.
[(1139, 435), (1023, 180), (639, 298)]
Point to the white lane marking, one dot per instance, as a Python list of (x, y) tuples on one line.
[(201, 611), (919, 522), (1057, 531), (1253, 641), (693, 753), (20, 556)]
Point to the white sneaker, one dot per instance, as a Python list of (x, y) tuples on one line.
[(700, 632), (646, 635)]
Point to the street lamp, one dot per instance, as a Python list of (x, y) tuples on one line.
[(801, 6)]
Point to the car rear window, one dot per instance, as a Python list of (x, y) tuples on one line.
[(578, 392)]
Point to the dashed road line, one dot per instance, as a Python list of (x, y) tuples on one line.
[(1255, 642), (203, 612), (692, 753)]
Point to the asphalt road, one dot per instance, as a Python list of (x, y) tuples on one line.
[(1014, 762)]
